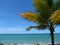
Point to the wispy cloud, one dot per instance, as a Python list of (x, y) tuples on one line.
[(10, 30)]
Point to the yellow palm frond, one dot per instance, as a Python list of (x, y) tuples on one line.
[(33, 17), (55, 17), (30, 16)]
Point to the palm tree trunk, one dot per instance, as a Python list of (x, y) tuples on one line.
[(52, 33), (52, 37)]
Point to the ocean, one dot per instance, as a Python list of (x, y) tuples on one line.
[(28, 38)]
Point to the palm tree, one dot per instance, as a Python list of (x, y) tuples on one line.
[(47, 15)]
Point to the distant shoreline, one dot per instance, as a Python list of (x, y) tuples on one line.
[(37, 33)]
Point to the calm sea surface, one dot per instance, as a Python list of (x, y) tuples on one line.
[(28, 38)]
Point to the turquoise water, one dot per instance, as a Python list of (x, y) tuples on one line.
[(28, 38)]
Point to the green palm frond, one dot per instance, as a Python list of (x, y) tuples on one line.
[(55, 17), (42, 27), (49, 3), (42, 8), (41, 20)]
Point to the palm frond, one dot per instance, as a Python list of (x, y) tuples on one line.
[(42, 8), (42, 27), (30, 16), (49, 2), (34, 17), (41, 20), (55, 17)]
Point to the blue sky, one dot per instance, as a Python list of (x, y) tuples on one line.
[(11, 22)]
